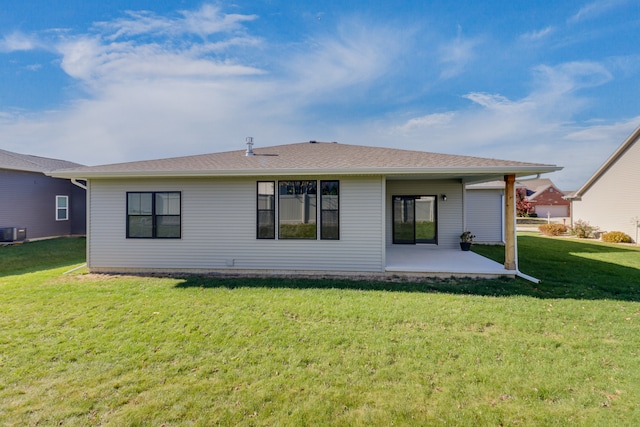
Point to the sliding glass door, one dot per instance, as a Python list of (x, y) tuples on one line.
[(414, 219)]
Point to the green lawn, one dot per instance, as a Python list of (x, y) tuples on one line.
[(83, 350)]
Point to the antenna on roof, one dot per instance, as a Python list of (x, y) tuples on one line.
[(249, 146)]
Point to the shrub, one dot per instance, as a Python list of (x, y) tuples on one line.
[(524, 208), (583, 230), (552, 229), (616, 237)]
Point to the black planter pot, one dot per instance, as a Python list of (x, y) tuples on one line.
[(465, 246)]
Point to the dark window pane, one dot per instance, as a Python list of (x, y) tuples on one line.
[(168, 226), (330, 210), (266, 225), (140, 226), (266, 216), (330, 225), (62, 214)]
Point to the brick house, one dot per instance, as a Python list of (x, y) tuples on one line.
[(547, 199)]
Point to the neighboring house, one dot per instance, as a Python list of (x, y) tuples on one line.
[(610, 199), (309, 206), (547, 200), (44, 206)]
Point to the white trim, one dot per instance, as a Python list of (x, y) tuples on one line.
[(388, 172)]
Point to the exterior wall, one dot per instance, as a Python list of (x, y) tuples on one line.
[(450, 219), (485, 215), (78, 210), (613, 201), (29, 200), (219, 229)]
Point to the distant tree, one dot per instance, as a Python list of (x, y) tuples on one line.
[(524, 207)]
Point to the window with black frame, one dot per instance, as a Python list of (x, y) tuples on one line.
[(154, 215), (297, 209), (330, 210), (266, 228)]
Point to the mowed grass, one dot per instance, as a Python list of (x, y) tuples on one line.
[(82, 350)]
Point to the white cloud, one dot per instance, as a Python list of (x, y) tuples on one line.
[(17, 41), (538, 127), (595, 9), (144, 46), (428, 121), (89, 60), (572, 76), (206, 21), (356, 54), (538, 35), (456, 55)]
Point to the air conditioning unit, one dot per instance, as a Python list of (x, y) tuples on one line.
[(13, 234)]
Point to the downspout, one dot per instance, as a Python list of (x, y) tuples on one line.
[(515, 237), (75, 182), (521, 274)]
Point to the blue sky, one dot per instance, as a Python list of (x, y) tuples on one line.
[(100, 82)]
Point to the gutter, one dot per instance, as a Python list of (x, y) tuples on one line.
[(528, 178), (75, 182), (399, 171)]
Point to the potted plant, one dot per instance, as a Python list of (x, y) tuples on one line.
[(466, 239)]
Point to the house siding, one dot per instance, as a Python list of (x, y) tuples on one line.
[(484, 214), (29, 200), (450, 220), (613, 201), (219, 229)]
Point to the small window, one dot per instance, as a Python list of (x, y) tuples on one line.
[(266, 210), (154, 215), (330, 210), (62, 208)]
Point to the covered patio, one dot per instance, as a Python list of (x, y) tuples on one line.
[(433, 261)]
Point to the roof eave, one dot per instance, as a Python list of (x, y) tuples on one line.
[(517, 170)]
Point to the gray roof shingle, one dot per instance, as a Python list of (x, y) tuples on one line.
[(306, 157), (25, 162)]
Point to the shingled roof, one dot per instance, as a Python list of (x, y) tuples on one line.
[(309, 158), (24, 162)]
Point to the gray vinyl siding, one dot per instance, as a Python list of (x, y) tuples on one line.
[(219, 229), (613, 201), (485, 214), (450, 221), (29, 200)]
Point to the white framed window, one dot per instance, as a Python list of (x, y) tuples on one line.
[(62, 208)]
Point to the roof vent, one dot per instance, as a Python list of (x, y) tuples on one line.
[(312, 142), (249, 146)]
